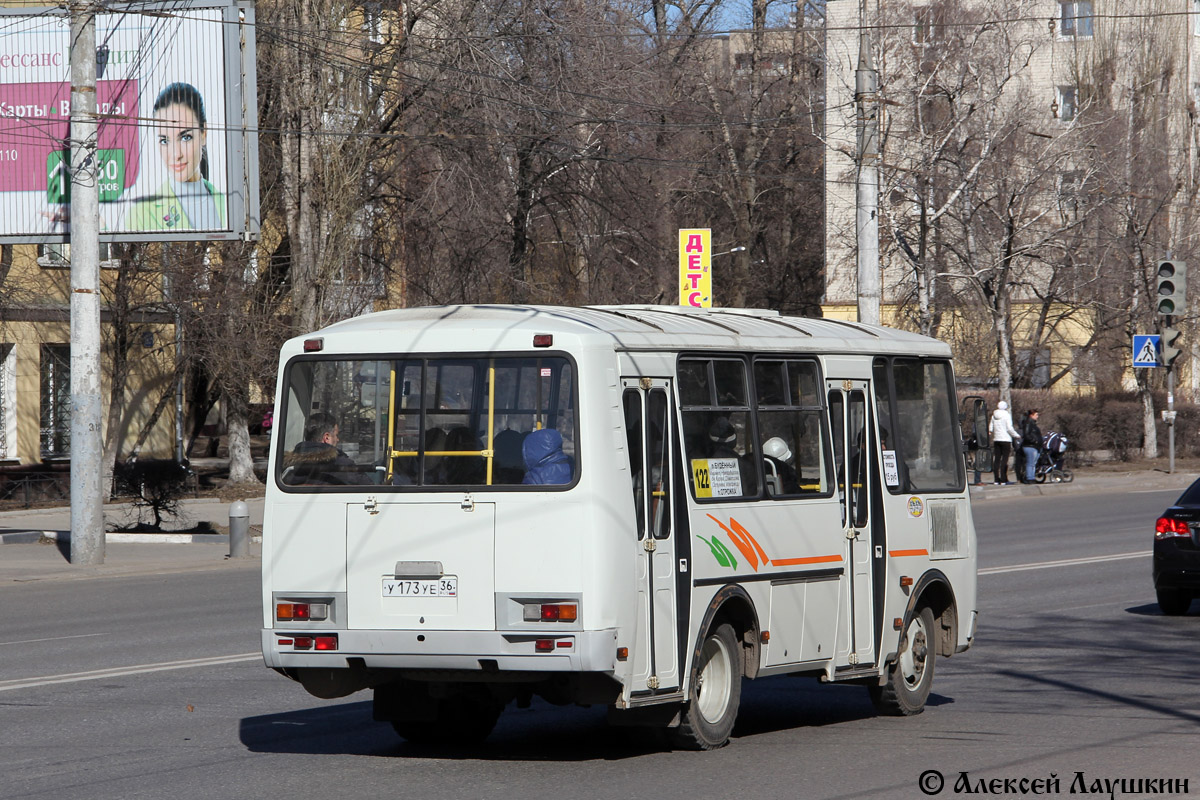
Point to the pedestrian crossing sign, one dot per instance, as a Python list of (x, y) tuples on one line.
[(1146, 350)]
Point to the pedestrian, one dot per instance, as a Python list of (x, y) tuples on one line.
[(1003, 434), (1031, 445)]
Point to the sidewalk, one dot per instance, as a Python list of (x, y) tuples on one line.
[(34, 524), (35, 543), (1085, 481)]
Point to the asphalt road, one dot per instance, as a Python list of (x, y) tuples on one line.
[(151, 687)]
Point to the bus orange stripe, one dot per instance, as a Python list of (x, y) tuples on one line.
[(901, 553), (791, 562), (745, 548), (740, 528)]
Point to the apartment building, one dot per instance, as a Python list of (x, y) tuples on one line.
[(1006, 133)]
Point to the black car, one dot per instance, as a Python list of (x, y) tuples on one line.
[(1177, 553)]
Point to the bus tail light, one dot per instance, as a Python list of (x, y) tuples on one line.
[(301, 611), (543, 645), (326, 641), (543, 340), (1166, 527), (559, 612), (314, 345), (550, 612)]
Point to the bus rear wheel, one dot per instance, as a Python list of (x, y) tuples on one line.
[(910, 678), (716, 692)]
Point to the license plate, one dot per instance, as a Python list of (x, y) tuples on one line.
[(425, 587)]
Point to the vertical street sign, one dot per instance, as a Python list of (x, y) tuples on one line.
[(1145, 350), (695, 267)]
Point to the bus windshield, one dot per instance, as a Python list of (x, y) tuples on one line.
[(443, 423)]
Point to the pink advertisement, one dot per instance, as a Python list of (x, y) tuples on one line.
[(162, 154), (35, 124)]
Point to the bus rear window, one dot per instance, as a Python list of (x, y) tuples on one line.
[(429, 422)]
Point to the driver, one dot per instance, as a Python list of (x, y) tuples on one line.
[(319, 451)]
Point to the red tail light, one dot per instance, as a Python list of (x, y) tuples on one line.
[(559, 612), (1166, 527), (301, 611)]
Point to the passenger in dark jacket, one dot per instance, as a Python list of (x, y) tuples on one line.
[(1031, 444), (545, 461)]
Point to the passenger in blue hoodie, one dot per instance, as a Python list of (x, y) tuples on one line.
[(545, 461)]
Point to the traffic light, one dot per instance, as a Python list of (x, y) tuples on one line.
[(1170, 345), (1171, 288)]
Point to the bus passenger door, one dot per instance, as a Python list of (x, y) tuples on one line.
[(649, 409), (851, 426)]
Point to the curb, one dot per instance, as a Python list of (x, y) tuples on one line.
[(36, 537), (1091, 484)]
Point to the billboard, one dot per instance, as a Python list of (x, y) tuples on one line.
[(177, 115)]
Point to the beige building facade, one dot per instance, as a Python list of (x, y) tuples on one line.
[(35, 361)]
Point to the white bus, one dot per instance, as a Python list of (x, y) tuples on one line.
[(634, 506)]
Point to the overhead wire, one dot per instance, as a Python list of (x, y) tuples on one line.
[(336, 59)]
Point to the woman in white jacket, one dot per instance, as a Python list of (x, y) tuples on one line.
[(1003, 435)]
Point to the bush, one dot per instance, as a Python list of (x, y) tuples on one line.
[(1111, 422), (157, 484)]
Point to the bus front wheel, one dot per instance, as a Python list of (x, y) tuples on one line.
[(910, 678), (716, 692)]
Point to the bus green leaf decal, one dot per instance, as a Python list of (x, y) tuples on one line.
[(720, 551)]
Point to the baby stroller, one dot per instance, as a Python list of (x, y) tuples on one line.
[(1051, 463)]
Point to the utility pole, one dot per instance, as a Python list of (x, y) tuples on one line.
[(87, 510), (866, 100)]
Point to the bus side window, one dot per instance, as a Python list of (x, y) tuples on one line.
[(658, 464), (717, 427), (788, 407), (632, 401)]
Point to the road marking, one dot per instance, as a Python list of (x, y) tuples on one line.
[(117, 672), (1067, 562), (53, 639)]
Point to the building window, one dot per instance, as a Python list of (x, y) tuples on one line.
[(56, 401), (1196, 17), (58, 256), (1075, 19), (1035, 366), (8, 402), (1066, 103), (1083, 367), (928, 25), (1070, 189)]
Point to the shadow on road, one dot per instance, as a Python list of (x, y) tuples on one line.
[(1151, 610), (1111, 697), (550, 733)]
